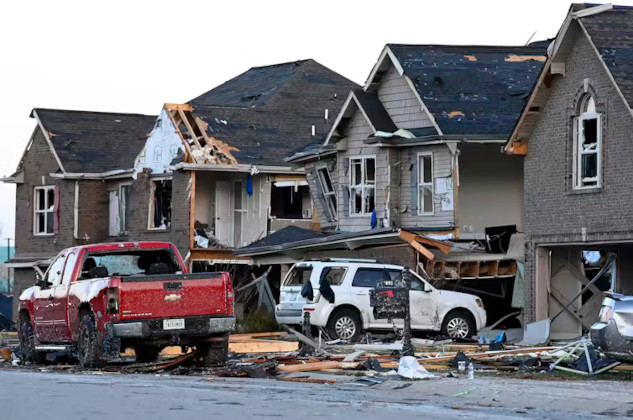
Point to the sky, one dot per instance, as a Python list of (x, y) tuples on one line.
[(133, 55)]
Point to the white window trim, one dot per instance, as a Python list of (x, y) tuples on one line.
[(578, 155), (420, 174), (151, 202), (363, 186), (327, 195), (46, 188), (122, 220)]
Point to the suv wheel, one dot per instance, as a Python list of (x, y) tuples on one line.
[(345, 324), (27, 343), (458, 325), (89, 343)]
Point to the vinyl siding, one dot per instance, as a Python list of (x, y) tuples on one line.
[(401, 103)]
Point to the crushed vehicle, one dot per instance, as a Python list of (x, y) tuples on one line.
[(97, 300), (613, 333), (340, 300)]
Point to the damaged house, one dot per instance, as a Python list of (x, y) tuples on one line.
[(75, 165), (414, 156), (574, 137), (225, 150)]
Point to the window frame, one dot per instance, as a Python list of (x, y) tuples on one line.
[(152, 192), (46, 212), (364, 186), (578, 137), (421, 184), (328, 195)]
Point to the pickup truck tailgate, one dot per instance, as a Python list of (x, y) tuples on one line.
[(174, 295)]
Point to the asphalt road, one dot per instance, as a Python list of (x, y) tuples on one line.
[(50, 396)]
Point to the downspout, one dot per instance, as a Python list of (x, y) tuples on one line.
[(76, 211)]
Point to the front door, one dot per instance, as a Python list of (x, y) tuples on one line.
[(364, 280), (223, 213), (60, 300)]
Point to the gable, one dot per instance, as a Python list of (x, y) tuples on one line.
[(161, 148), (398, 98), (38, 159)]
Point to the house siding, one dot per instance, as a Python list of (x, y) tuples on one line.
[(403, 106), (442, 168), (357, 131), (554, 212)]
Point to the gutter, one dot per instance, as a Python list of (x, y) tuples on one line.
[(117, 173), (434, 140), (240, 168)]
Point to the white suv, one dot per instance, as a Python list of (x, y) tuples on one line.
[(457, 315)]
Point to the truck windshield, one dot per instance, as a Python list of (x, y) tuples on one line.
[(129, 263)]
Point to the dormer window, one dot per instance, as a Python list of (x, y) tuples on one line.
[(588, 146)]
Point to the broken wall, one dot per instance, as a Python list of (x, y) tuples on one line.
[(162, 146), (319, 203), (490, 191)]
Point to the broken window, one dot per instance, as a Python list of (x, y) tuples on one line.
[(160, 204), (291, 200), (44, 211), (425, 183), (328, 191), (588, 146), (119, 210), (298, 276), (362, 185)]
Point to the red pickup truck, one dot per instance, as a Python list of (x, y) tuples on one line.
[(97, 300)]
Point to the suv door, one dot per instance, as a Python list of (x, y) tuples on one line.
[(365, 279), (45, 315), (422, 304), (290, 300)]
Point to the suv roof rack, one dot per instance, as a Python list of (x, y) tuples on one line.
[(359, 260)]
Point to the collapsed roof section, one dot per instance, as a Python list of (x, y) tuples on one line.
[(93, 142), (262, 115)]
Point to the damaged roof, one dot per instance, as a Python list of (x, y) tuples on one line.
[(612, 33), (268, 112), (95, 142), (284, 236), (472, 89)]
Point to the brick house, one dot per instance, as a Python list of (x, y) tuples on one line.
[(575, 136), (63, 181)]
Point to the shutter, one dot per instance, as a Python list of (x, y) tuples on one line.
[(345, 200), (414, 182), (346, 166), (319, 195), (56, 211)]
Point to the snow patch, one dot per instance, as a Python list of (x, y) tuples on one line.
[(85, 290), (27, 294)]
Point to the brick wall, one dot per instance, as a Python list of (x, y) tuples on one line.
[(554, 212), (37, 164), (93, 212)]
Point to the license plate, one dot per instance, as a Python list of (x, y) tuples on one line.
[(174, 324)]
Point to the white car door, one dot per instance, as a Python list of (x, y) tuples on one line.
[(422, 303), (365, 279)]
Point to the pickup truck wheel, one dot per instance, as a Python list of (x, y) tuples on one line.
[(458, 325), (214, 353), (146, 354), (345, 324), (89, 343), (27, 344)]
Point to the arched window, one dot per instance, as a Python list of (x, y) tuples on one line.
[(588, 145)]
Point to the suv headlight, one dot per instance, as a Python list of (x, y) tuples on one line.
[(479, 303)]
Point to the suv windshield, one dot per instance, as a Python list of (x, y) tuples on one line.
[(129, 263), (298, 276)]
